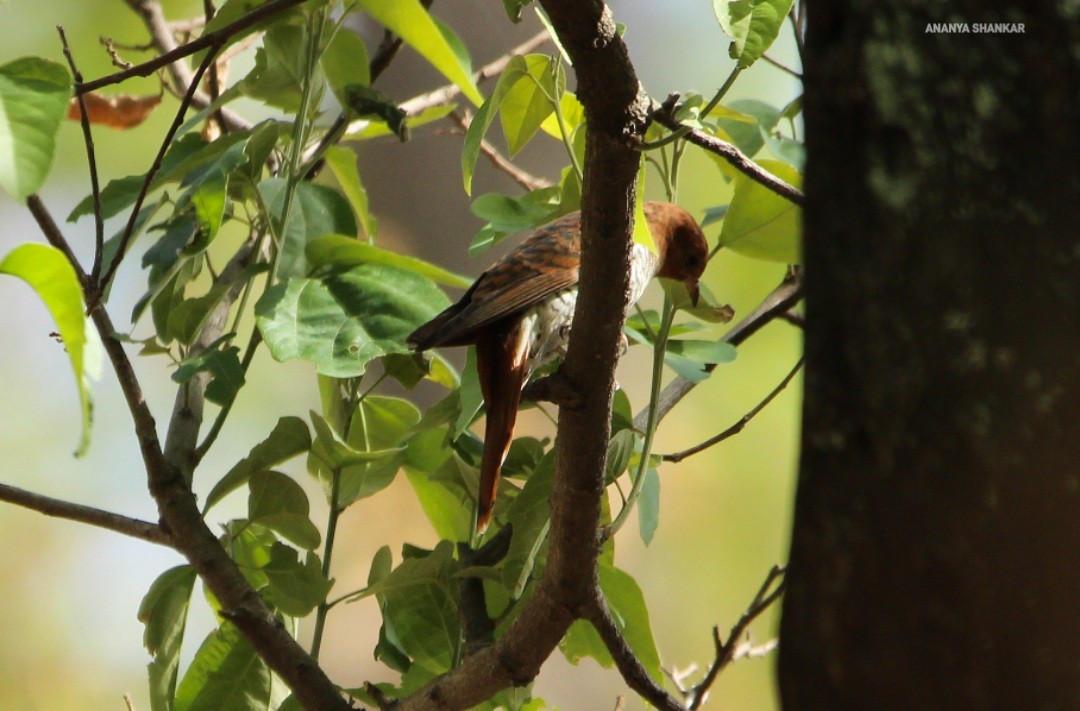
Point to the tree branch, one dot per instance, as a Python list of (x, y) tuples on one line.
[(728, 151), (630, 667), (525, 179), (616, 109), (143, 530), (741, 424), (217, 37), (183, 523), (772, 306), (726, 651)]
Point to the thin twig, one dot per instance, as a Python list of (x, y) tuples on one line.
[(211, 39), (133, 527), (738, 426), (522, 177), (729, 152), (725, 651), (782, 67), (114, 54), (630, 667), (129, 229), (91, 159), (797, 27)]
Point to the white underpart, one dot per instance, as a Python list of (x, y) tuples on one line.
[(548, 323)]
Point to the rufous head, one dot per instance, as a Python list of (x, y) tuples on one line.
[(680, 242)]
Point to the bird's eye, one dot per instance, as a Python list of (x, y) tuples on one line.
[(692, 261)]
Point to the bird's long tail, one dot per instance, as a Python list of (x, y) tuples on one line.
[(502, 366)]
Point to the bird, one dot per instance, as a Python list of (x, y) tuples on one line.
[(518, 315)]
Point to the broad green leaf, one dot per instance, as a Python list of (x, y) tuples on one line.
[(409, 20), (631, 616), (514, 8), (335, 453), (295, 587), (289, 438), (752, 24), (33, 100), (746, 135), (164, 613), (226, 373), (410, 368), (642, 233), (280, 504), (530, 515), (786, 149), (471, 398), (345, 62), (227, 675), (622, 413), (209, 202), (344, 320), (419, 603), (446, 503), (249, 545), (648, 506), (279, 73), (50, 275), (507, 215), (116, 196), (573, 117), (345, 252), (529, 98), (703, 351), (342, 164), (760, 223), (379, 423), (474, 136), (316, 210)]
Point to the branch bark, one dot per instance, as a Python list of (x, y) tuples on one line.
[(616, 109)]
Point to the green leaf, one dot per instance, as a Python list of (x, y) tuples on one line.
[(33, 100), (410, 368), (746, 135), (530, 515), (335, 453), (419, 603), (345, 252), (620, 448), (295, 588), (753, 24), (280, 504), (379, 423), (760, 223), (703, 351), (529, 98), (342, 164), (471, 399), (209, 202), (648, 506), (514, 8), (316, 211), (233, 10), (227, 675), (226, 373), (116, 196), (631, 616), (346, 319), (507, 215), (409, 20), (345, 62), (377, 129), (289, 438), (279, 73), (474, 136), (50, 275), (164, 613), (433, 474), (642, 233)]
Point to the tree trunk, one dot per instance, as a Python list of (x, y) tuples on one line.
[(936, 542)]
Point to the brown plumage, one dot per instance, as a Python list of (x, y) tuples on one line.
[(519, 311)]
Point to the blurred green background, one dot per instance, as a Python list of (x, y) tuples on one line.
[(69, 593)]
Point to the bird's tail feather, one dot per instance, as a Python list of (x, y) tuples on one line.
[(501, 363)]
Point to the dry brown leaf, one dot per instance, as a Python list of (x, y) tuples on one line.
[(121, 111)]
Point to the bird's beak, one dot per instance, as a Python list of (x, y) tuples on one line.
[(693, 290)]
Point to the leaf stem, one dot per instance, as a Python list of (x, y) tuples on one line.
[(659, 348)]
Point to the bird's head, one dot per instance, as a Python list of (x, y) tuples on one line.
[(680, 242)]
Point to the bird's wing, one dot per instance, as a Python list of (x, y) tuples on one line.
[(544, 264)]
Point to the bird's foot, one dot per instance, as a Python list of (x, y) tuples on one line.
[(556, 388)]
